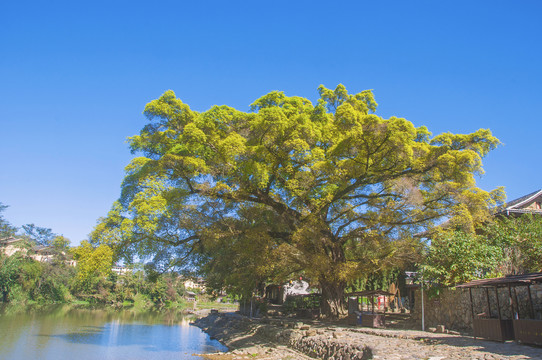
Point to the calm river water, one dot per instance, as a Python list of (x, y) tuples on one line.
[(67, 332)]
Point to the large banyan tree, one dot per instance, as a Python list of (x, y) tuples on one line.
[(328, 190)]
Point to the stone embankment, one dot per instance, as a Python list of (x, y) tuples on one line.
[(275, 339)]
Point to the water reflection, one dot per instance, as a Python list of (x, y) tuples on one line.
[(63, 331)]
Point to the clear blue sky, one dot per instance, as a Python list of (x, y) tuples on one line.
[(75, 76)]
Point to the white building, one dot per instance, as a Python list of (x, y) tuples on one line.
[(192, 283), (121, 270), (10, 246)]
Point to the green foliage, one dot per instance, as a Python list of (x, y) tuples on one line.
[(520, 239), (47, 283), (6, 229), (158, 291), (506, 245), (60, 243), (456, 257), (93, 264), (238, 262), (167, 289), (130, 285), (380, 280), (26, 281), (9, 273), (328, 190), (144, 289), (294, 303), (31, 276), (23, 279)]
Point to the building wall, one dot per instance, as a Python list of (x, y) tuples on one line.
[(119, 270), (452, 307), (11, 249), (42, 258), (191, 284)]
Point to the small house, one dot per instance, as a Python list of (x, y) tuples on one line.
[(190, 296), (530, 203), (11, 245)]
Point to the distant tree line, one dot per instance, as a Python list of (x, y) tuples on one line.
[(25, 280)]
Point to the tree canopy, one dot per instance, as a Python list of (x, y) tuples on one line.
[(329, 190), (42, 236), (501, 246), (92, 263), (520, 240), (456, 257)]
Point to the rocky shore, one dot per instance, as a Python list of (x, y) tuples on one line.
[(274, 339)]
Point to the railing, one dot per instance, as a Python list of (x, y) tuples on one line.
[(528, 331)]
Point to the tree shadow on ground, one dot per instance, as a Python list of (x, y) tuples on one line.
[(508, 348)]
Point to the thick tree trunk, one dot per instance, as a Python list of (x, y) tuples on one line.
[(333, 304)]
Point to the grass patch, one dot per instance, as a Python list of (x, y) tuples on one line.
[(80, 302), (215, 305)]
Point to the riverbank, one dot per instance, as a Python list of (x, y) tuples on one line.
[(274, 339), (244, 338), (199, 308)]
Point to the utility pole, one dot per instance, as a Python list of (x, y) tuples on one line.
[(251, 297), (423, 312)]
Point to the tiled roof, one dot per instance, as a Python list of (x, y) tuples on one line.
[(515, 204), (9, 240), (42, 248)]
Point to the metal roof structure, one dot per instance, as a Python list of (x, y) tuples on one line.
[(512, 280)]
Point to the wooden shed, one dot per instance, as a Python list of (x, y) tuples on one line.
[(367, 316), (528, 330)]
